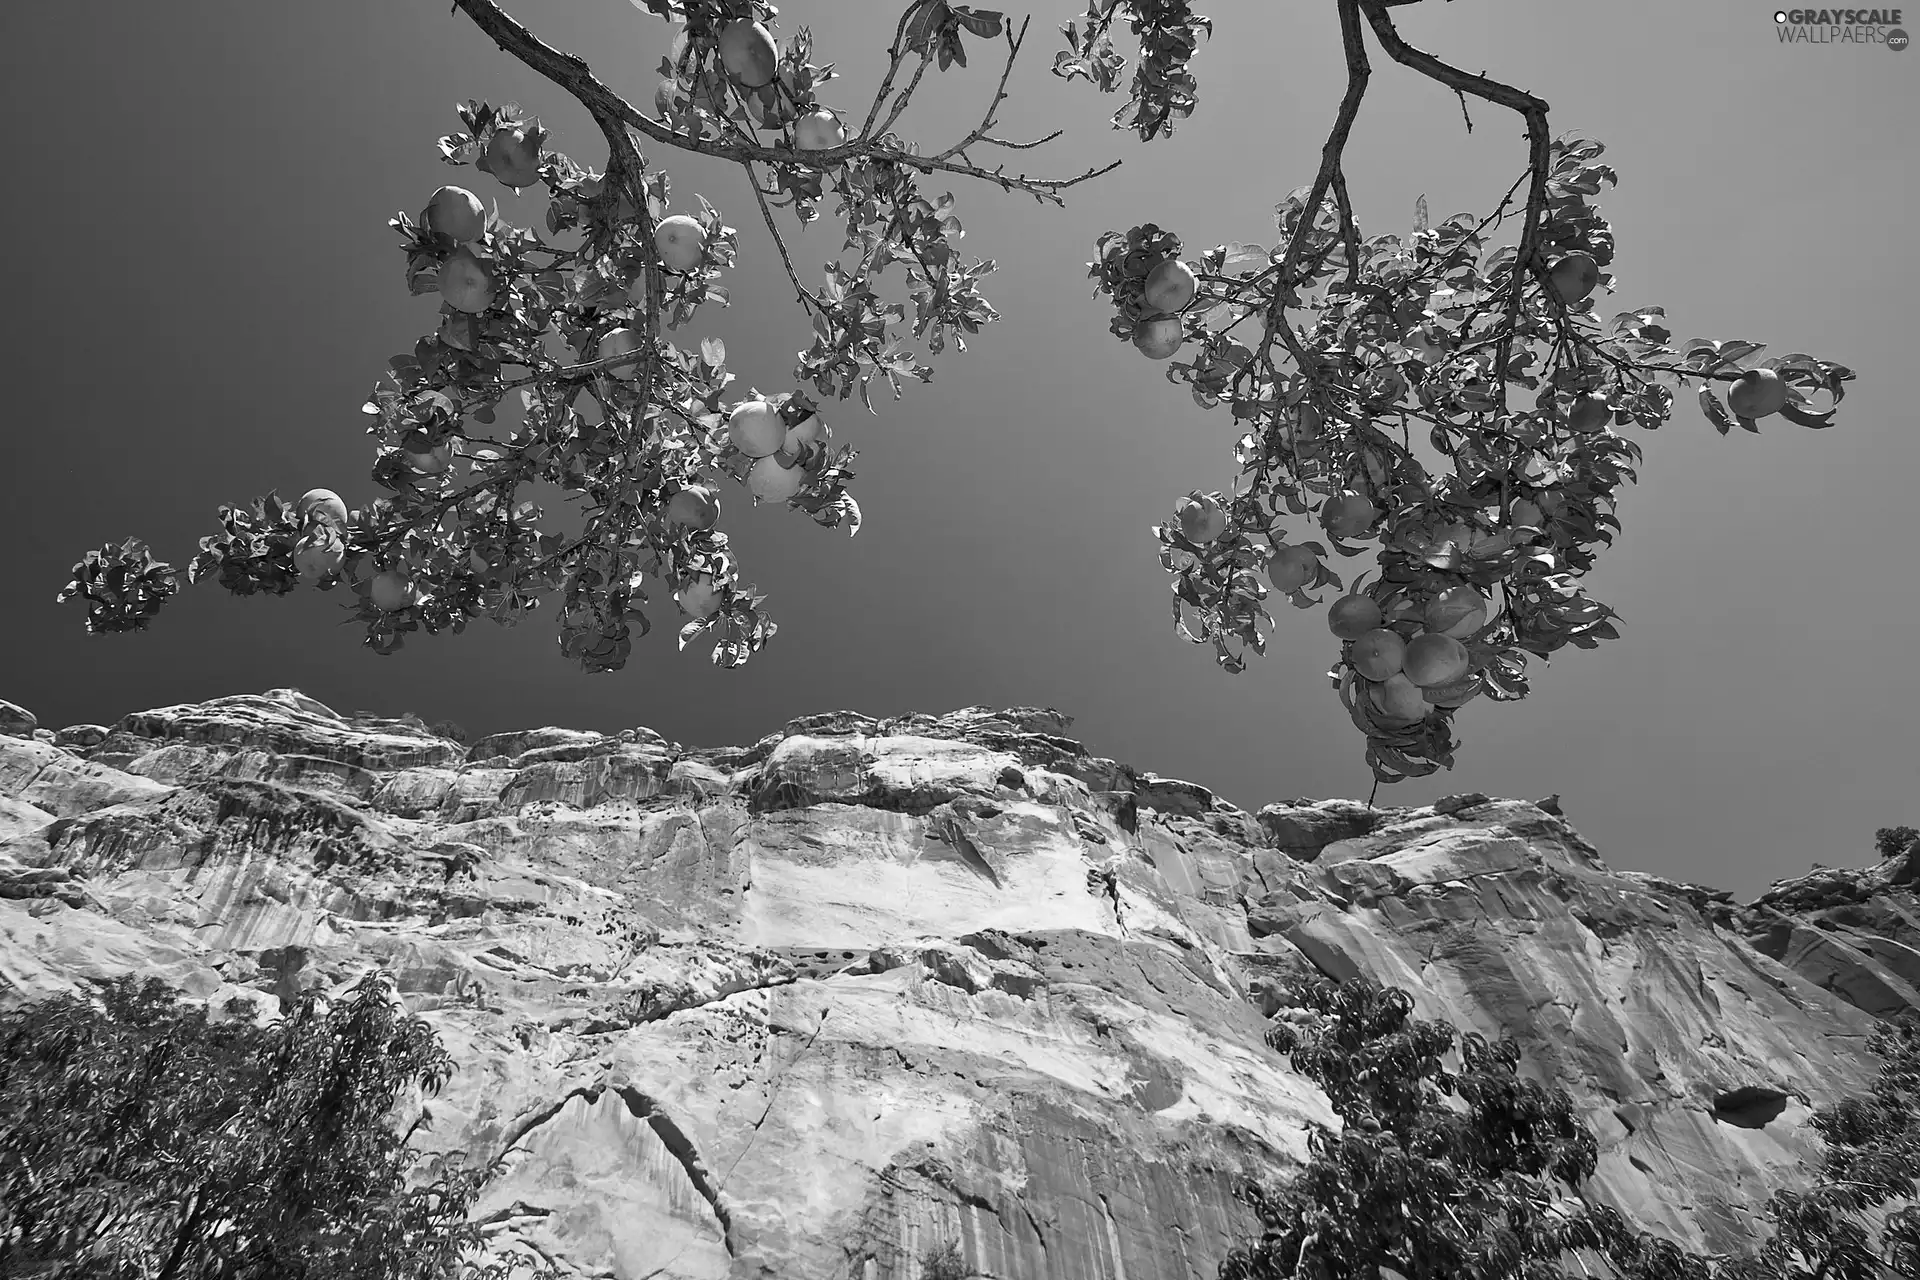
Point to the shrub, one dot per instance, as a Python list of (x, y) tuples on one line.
[(142, 1142)]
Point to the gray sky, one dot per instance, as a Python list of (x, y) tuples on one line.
[(205, 290)]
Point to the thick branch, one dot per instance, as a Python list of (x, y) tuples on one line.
[(609, 108), (1539, 147)]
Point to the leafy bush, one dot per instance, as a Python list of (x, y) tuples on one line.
[(143, 1142), (1418, 1187), (1891, 841)]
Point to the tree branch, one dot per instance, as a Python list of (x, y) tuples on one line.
[(1539, 150), (615, 114)]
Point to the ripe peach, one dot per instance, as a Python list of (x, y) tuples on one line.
[(465, 283), (1353, 616), (1758, 393), (1170, 286), (391, 591), (1457, 612), (755, 428), (433, 461), (1202, 518), (455, 212), (1398, 700), (1574, 277), (748, 52), (620, 342), (680, 242), (694, 507), (322, 505), (818, 131), (1434, 659), (776, 477), (1158, 338), (1588, 413), (1378, 654), (320, 551), (663, 97), (513, 156), (811, 434), (1293, 567), (701, 597), (1348, 515)]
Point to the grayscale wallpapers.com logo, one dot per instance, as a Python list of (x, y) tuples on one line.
[(1841, 26)]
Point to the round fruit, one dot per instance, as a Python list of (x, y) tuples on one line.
[(756, 429), (771, 480), (321, 552), (465, 283), (1159, 338), (748, 53), (1457, 612), (680, 242), (322, 505), (391, 591), (1435, 659), (1398, 700), (1293, 568), (1170, 286), (620, 342), (513, 156), (812, 433), (1588, 413), (663, 98), (701, 597), (456, 212), (1202, 519), (1353, 616), (1528, 513), (1574, 277), (818, 131), (1378, 654), (1758, 393), (433, 461), (694, 507), (1348, 515)]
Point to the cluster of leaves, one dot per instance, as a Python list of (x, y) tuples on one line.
[(123, 587), (140, 1141), (1445, 334), (1891, 842), (626, 418), (1475, 1174), (1163, 88)]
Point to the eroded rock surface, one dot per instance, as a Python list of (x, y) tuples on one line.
[(813, 1006)]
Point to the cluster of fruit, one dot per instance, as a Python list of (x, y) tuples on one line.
[(1151, 287)]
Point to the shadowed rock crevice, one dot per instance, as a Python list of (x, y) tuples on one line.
[(1750, 1106)]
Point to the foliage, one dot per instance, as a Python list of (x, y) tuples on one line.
[(1517, 382), (1890, 842), (628, 418), (142, 1141), (1334, 353), (1474, 1174)]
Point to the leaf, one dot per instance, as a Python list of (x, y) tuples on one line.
[(1715, 411), (1817, 420), (1420, 213), (984, 23)]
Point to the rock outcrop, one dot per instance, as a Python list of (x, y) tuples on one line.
[(811, 1007)]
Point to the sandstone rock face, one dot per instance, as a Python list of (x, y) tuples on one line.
[(814, 1006)]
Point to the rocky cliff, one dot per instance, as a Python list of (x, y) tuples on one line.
[(810, 1007)]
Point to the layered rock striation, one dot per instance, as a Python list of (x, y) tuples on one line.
[(818, 1005)]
